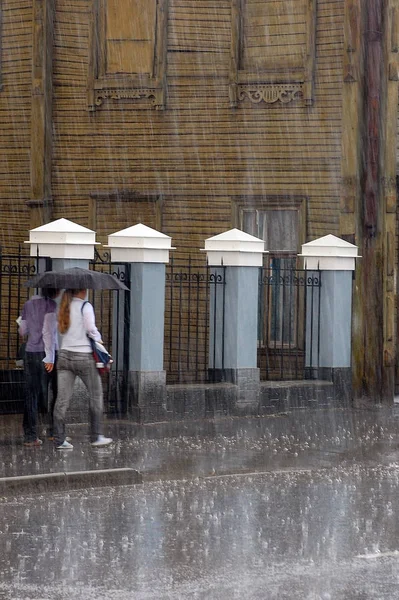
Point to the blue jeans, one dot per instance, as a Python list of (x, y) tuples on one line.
[(36, 386)]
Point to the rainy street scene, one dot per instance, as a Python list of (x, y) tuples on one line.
[(199, 255)]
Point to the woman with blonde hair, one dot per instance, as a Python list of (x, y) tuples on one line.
[(76, 323)]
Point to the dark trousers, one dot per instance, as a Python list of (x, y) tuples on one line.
[(36, 394), (36, 383)]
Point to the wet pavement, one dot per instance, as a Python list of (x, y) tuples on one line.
[(297, 506)]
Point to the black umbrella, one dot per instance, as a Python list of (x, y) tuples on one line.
[(76, 278)]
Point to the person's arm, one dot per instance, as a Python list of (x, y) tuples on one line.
[(23, 325), (48, 333), (89, 323)]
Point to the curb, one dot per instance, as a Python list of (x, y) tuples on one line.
[(73, 480)]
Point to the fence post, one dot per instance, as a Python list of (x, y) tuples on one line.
[(65, 242), (329, 316), (146, 251), (237, 256)]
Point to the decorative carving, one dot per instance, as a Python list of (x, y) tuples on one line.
[(270, 93), (120, 94)]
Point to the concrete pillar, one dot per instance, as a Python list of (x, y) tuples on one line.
[(235, 258), (145, 252), (329, 312)]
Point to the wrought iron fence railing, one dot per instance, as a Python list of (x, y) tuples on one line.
[(188, 347), (16, 268), (288, 321)]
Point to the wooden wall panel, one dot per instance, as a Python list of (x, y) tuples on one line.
[(15, 95)]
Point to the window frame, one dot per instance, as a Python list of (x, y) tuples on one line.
[(96, 199), (148, 90), (262, 205), (279, 82)]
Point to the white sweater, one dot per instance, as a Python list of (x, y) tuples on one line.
[(81, 326)]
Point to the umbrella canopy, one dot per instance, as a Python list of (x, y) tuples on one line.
[(76, 278)]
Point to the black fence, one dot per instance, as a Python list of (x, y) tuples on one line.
[(191, 308), (16, 267), (288, 321)]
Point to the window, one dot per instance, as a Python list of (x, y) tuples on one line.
[(278, 298), (128, 52), (112, 212), (278, 228), (129, 42), (273, 51)]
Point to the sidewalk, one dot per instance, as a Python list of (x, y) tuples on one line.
[(302, 439)]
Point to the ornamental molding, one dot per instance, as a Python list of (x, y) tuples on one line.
[(152, 94), (270, 93)]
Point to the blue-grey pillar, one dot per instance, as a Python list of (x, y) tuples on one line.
[(234, 319), (145, 251), (335, 319), (59, 264), (329, 312), (234, 314), (147, 378)]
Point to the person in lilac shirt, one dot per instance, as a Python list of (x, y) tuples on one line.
[(39, 324)]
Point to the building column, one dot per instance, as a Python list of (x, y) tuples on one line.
[(145, 251), (236, 257), (331, 260)]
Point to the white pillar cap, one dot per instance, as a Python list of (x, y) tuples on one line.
[(234, 248), (139, 243), (62, 239), (329, 253)]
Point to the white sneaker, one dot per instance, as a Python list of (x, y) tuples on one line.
[(101, 441), (65, 446)]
